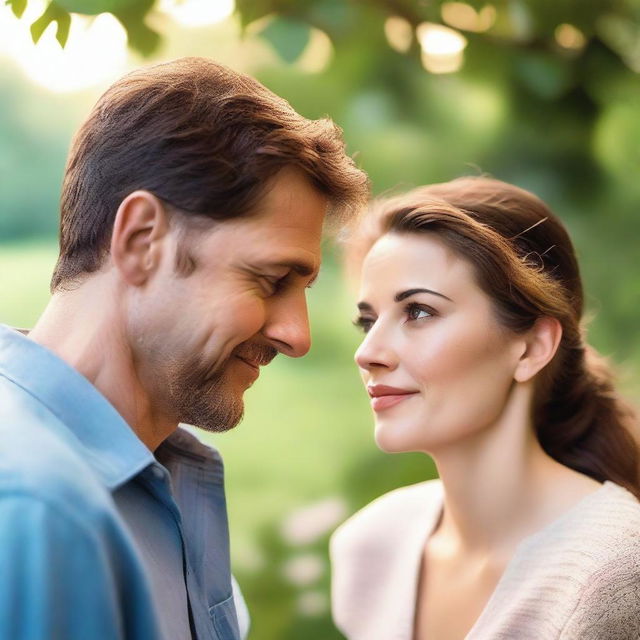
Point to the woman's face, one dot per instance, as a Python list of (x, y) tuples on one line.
[(436, 363)]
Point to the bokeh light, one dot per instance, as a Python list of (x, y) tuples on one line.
[(463, 16), (399, 33), (442, 47), (317, 54), (569, 37)]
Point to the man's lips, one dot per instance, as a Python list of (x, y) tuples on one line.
[(256, 356), (384, 396), (251, 363)]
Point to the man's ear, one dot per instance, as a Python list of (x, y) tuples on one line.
[(140, 227), (541, 344)]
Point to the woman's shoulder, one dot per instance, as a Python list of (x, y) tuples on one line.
[(605, 524), (388, 516), (375, 558), (595, 534), (579, 577), (605, 530)]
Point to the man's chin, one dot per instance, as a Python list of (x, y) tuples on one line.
[(210, 402), (217, 419)]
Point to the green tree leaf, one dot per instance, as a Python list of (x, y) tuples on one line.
[(53, 13), (251, 10), (288, 37), (545, 75), (17, 6), (141, 37), (94, 7)]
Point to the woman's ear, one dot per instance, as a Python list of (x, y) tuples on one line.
[(541, 342)]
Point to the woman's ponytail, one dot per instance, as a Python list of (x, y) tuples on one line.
[(585, 424)]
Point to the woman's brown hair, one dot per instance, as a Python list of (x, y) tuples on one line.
[(524, 260)]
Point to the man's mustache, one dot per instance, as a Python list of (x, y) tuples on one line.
[(259, 354)]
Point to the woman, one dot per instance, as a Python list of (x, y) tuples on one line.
[(471, 303)]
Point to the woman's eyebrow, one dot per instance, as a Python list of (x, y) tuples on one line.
[(410, 292), (403, 295)]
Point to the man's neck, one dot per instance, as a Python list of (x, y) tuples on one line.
[(85, 328)]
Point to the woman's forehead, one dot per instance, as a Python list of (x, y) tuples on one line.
[(395, 254)]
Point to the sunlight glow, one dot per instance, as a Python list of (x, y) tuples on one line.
[(197, 13), (95, 52), (442, 48)]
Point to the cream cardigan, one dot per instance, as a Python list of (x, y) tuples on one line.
[(578, 578)]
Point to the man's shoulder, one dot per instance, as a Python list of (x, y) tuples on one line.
[(39, 459)]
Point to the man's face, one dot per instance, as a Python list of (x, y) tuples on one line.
[(199, 340)]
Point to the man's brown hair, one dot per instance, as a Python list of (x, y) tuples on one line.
[(204, 139)]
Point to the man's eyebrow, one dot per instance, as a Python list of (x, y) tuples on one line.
[(303, 269), (364, 306), (403, 295)]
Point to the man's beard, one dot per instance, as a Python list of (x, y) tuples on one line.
[(206, 398)]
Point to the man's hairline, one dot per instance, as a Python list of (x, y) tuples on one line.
[(186, 223)]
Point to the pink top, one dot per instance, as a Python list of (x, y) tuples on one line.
[(577, 578)]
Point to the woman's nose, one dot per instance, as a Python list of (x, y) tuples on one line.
[(376, 351)]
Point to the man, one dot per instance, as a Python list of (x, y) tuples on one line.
[(191, 216)]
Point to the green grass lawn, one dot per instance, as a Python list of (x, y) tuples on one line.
[(25, 270)]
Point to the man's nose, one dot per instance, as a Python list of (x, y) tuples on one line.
[(376, 351), (287, 327)]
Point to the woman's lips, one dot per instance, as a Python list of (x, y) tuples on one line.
[(384, 402), (384, 397)]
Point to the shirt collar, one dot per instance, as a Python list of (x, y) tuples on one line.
[(102, 436)]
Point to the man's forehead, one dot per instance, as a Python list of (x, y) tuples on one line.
[(290, 201)]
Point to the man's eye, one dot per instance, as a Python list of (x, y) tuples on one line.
[(363, 323), (274, 284)]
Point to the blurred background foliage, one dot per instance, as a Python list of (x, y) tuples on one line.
[(542, 93)]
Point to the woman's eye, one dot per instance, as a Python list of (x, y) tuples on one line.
[(418, 312), (363, 323)]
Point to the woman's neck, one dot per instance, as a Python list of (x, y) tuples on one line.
[(500, 486)]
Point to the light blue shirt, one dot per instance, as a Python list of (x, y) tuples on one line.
[(99, 538)]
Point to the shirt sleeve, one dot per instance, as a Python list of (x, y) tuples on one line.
[(56, 580)]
